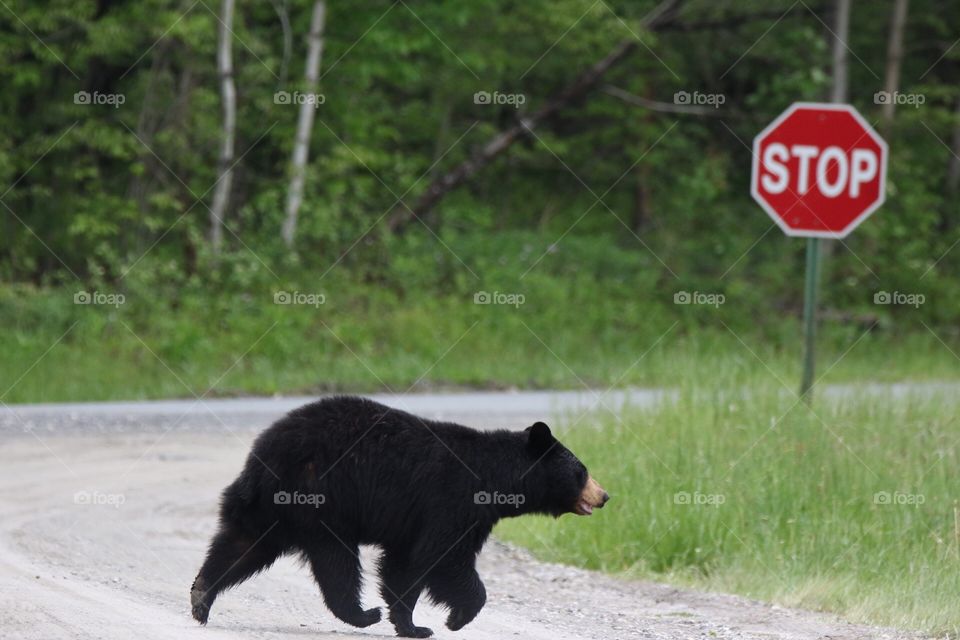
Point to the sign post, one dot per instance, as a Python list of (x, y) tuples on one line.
[(811, 283), (819, 170)]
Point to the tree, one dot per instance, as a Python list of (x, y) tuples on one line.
[(953, 166), (301, 143), (221, 195), (841, 33), (840, 82), (891, 82)]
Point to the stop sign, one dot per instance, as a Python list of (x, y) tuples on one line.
[(819, 170)]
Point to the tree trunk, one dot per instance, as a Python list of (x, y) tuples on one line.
[(442, 185), (641, 192), (891, 83), (301, 143), (841, 30), (281, 8), (148, 123), (225, 68), (641, 200), (838, 92), (953, 168)]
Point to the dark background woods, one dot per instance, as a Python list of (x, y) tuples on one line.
[(594, 189)]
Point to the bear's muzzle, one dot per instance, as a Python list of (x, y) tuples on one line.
[(592, 497)]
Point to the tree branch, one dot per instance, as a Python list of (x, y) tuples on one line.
[(402, 214), (665, 107)]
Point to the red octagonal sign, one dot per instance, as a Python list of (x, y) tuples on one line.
[(819, 170)]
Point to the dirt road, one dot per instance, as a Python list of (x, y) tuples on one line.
[(105, 511)]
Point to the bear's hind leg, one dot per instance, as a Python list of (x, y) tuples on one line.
[(232, 558), (454, 583), (400, 586), (337, 571)]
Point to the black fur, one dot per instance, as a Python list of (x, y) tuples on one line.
[(414, 487)]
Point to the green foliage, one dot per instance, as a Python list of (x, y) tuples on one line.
[(598, 220), (96, 186)]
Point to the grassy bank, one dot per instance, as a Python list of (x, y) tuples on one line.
[(850, 507), (160, 344)]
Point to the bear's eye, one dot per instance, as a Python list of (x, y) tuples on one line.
[(582, 476)]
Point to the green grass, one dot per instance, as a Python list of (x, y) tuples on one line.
[(161, 345), (788, 500)]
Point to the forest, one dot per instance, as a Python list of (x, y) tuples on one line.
[(178, 167)]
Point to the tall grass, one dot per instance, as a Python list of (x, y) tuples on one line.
[(849, 506)]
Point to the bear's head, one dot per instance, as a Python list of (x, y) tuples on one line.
[(566, 485)]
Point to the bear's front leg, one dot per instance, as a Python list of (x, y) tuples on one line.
[(400, 586), (455, 583)]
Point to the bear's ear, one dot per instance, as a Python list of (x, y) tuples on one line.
[(539, 438)]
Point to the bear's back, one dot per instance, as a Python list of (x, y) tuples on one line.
[(363, 429)]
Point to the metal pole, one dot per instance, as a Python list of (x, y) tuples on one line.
[(810, 316)]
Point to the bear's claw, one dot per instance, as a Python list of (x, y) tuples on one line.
[(201, 612), (198, 606), (416, 632)]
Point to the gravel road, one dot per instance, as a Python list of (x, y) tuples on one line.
[(106, 509)]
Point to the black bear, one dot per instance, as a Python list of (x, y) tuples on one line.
[(347, 471)]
